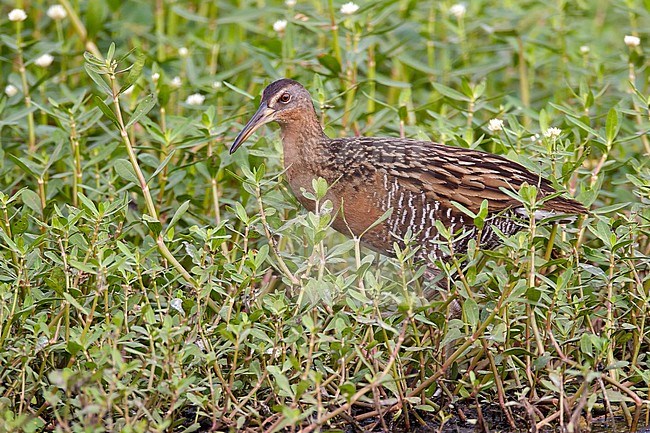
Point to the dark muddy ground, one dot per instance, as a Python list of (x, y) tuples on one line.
[(464, 421), (493, 417)]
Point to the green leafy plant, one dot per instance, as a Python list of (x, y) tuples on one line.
[(151, 281)]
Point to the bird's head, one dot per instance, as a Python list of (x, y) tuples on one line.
[(283, 101)]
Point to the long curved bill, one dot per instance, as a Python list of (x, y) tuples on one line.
[(262, 116)]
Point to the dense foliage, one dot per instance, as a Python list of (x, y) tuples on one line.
[(150, 281)]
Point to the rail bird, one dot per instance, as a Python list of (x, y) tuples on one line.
[(419, 180)]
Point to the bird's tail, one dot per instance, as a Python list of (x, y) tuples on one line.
[(563, 205), (561, 210)]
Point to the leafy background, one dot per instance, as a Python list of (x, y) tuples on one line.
[(149, 281)]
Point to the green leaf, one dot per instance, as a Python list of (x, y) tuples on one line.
[(583, 126), (381, 219), (544, 120), (25, 165), (517, 351), (280, 380), (163, 164), (449, 92), (330, 63), (97, 78), (348, 389), (178, 214), (142, 109), (124, 169), (603, 231), (111, 52), (261, 256), (92, 60), (238, 90), (73, 347), (10, 243), (479, 221), (152, 223), (320, 187), (75, 303), (479, 89), (20, 225), (240, 211), (82, 266), (125, 56), (107, 111), (14, 117), (464, 210), (32, 200), (402, 112), (453, 333), (612, 125), (52, 158), (609, 209), (259, 173), (95, 15), (56, 280), (88, 204), (470, 312), (135, 72)]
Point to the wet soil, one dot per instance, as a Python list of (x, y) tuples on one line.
[(466, 420)]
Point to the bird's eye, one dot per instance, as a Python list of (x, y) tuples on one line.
[(285, 98)]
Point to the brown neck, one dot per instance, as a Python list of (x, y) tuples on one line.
[(301, 135)]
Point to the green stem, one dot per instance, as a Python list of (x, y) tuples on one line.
[(151, 207), (549, 244), (371, 76), (463, 41), (5, 225), (434, 377), (335, 33), (80, 29), (524, 91), (609, 324), (431, 47), (531, 284), (76, 155), (160, 30), (31, 130), (281, 264), (637, 110)]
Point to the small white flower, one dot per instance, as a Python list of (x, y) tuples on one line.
[(290, 3), (280, 26), (17, 15), (217, 85), (495, 125), (274, 351), (183, 52), (128, 91), (177, 304), (534, 138), (584, 49), (11, 90), (552, 132), (349, 8), (44, 61), (458, 10), (195, 99), (57, 12), (632, 41), (176, 82), (155, 77)]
